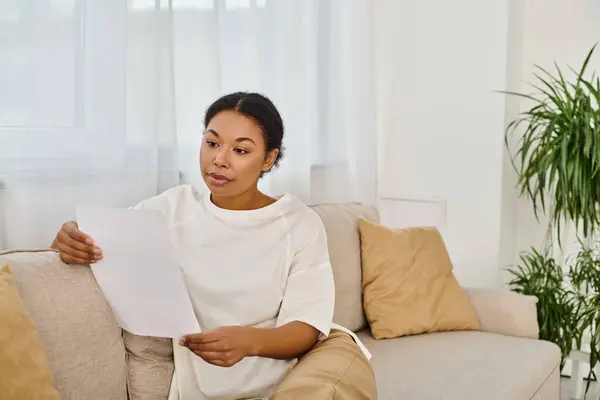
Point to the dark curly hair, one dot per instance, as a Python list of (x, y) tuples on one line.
[(260, 109)]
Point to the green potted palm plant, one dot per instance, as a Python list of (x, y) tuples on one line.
[(557, 160), (558, 312), (558, 155)]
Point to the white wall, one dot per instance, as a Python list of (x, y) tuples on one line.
[(440, 126), (441, 129)]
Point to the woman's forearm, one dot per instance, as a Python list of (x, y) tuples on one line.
[(285, 342)]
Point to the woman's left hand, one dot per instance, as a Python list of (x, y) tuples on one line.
[(224, 346)]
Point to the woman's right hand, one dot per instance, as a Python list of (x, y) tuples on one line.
[(74, 246)]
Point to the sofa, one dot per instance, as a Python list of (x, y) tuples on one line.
[(93, 359)]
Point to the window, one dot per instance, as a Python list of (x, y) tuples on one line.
[(40, 67), (58, 92)]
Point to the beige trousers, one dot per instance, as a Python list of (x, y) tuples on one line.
[(335, 368)]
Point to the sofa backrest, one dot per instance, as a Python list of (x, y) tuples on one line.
[(341, 225)]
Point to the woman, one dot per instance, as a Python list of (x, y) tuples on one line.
[(257, 268)]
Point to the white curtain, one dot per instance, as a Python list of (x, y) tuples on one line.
[(102, 101)]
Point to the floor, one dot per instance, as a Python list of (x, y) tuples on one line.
[(567, 394)]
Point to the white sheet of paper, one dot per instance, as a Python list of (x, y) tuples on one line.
[(139, 273)]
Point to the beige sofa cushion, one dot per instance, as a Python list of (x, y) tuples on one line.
[(408, 284), (149, 366), (463, 366), (505, 312), (24, 370), (341, 225), (82, 340)]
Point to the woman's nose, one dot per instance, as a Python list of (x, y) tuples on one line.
[(220, 160)]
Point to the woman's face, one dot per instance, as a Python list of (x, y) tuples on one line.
[(233, 154)]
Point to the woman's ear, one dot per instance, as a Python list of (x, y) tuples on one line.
[(270, 159)]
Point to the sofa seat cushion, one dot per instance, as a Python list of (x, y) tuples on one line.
[(150, 366), (461, 366)]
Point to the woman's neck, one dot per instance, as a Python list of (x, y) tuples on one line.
[(249, 200)]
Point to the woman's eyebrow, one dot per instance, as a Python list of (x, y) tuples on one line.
[(244, 139), (238, 140)]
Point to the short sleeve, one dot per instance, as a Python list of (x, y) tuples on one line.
[(309, 294)]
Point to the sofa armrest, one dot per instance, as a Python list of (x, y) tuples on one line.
[(505, 312)]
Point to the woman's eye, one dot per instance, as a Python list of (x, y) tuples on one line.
[(241, 151), (210, 143)]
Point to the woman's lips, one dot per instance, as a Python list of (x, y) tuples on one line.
[(218, 180)]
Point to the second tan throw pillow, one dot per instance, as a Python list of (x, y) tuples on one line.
[(408, 284)]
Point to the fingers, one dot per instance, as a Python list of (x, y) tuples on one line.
[(215, 352), (74, 239), (205, 337), (73, 260), (73, 231), (63, 237), (63, 247), (217, 358), (194, 337), (75, 247), (211, 347), (70, 248)]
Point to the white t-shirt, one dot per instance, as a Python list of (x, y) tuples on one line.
[(261, 268)]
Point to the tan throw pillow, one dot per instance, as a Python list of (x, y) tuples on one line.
[(408, 284), (24, 370)]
